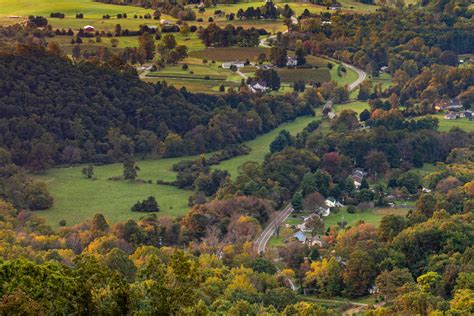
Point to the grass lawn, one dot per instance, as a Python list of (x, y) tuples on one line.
[(89, 8), (230, 54), (194, 72), (345, 78), (77, 199), (371, 217), (356, 106), (260, 145), (384, 79), (445, 125)]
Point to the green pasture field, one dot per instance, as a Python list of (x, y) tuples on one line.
[(260, 145), (89, 8), (356, 106), (191, 42), (77, 199), (230, 54), (316, 61), (370, 217), (195, 71), (446, 125), (345, 78), (306, 74), (384, 79)]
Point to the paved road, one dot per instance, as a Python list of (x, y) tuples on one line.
[(240, 73), (263, 41), (262, 240), (360, 72)]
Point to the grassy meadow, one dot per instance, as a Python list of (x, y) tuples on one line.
[(370, 217), (230, 53), (77, 199)]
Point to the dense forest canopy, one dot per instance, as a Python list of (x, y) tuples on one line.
[(88, 112)]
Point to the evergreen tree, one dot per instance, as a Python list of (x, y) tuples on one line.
[(297, 201)]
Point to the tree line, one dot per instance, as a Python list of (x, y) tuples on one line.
[(89, 112)]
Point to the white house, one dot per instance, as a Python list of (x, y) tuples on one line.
[(332, 202), (236, 63), (258, 87)]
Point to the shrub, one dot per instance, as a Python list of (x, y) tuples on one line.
[(62, 222), (149, 205), (351, 209)]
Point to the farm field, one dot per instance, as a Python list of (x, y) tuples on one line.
[(371, 217), (356, 106), (384, 79), (230, 54), (462, 123), (345, 78), (260, 145), (89, 8), (307, 75), (193, 72), (77, 198)]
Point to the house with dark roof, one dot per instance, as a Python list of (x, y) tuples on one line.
[(259, 86), (455, 105), (357, 176)]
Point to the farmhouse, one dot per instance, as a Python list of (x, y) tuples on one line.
[(236, 63), (258, 87), (89, 28), (332, 202)]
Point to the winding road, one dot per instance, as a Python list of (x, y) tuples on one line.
[(362, 76), (262, 240)]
